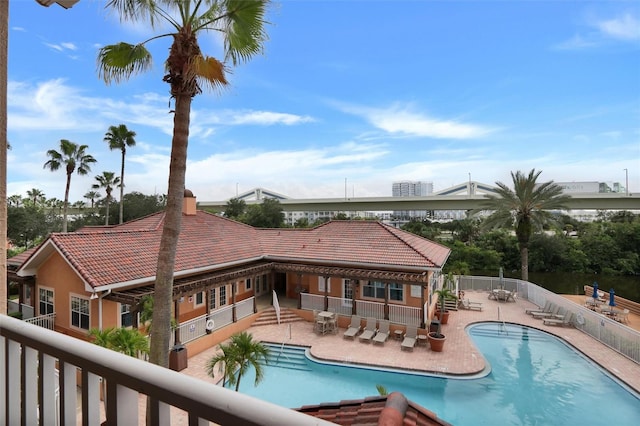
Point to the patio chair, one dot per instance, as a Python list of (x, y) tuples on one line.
[(354, 327), (469, 305), (383, 332), (565, 320), (540, 315), (369, 330), (546, 308), (410, 338), (623, 317)]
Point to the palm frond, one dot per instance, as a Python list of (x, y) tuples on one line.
[(210, 72), (135, 10), (118, 62)]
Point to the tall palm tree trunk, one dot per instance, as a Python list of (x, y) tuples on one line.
[(163, 290), (122, 187), (4, 39), (524, 259), (66, 203), (106, 219)]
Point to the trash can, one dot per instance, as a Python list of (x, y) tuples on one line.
[(178, 358), (433, 327)]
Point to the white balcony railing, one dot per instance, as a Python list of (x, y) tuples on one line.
[(29, 383)]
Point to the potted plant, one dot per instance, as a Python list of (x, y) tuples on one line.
[(436, 339), (443, 294)]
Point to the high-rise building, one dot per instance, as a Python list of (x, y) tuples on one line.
[(411, 189)]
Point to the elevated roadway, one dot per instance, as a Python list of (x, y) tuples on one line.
[(592, 201)]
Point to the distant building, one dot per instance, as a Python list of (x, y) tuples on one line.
[(590, 187), (411, 189)]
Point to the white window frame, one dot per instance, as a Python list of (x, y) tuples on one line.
[(83, 301), (127, 312), (197, 304), (321, 284), (223, 296), (213, 298), (348, 292), (47, 302)]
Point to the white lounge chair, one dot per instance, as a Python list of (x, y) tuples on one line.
[(354, 327), (622, 316), (565, 320), (467, 304), (369, 330), (553, 311), (546, 308), (383, 332), (410, 337)]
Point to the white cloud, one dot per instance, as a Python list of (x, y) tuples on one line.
[(69, 46), (400, 120), (577, 42), (625, 27)]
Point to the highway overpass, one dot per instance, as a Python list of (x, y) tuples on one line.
[(592, 201)]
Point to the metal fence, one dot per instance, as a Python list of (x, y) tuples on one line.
[(618, 337), (197, 327), (47, 321)]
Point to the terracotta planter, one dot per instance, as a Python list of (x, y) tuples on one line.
[(436, 343), (443, 317)]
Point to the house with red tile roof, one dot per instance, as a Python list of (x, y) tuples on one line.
[(98, 277)]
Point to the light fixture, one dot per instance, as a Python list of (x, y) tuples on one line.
[(94, 296)]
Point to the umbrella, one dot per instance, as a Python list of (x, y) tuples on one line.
[(501, 278), (595, 290), (611, 296)]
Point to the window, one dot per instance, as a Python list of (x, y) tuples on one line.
[(396, 292), (46, 301), (126, 319), (374, 289), (80, 312), (212, 298), (348, 288), (223, 295), (264, 284), (321, 284), (248, 284), (199, 299)]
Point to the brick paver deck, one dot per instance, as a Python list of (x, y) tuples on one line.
[(460, 356)]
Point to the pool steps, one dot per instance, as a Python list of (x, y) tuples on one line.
[(287, 357)]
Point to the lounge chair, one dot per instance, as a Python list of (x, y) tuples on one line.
[(369, 330), (410, 338), (565, 320), (467, 304), (622, 316), (546, 308), (383, 332), (354, 327), (540, 315)]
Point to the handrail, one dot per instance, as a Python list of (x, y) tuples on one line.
[(126, 378)]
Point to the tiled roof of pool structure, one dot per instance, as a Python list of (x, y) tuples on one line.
[(389, 410)]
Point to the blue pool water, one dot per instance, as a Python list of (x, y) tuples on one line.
[(535, 379)]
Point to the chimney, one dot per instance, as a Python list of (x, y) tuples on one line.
[(189, 203)]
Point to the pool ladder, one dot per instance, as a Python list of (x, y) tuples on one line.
[(284, 342), (504, 325)]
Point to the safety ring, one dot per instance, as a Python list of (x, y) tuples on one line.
[(210, 325), (580, 318)]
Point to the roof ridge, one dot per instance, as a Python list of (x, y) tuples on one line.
[(396, 231)]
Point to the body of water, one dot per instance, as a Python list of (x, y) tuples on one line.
[(535, 379)]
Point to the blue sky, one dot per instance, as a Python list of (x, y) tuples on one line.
[(369, 92)]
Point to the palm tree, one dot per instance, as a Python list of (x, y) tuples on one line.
[(92, 196), (526, 208), (73, 157), (35, 195), (129, 341), (15, 200), (241, 23), (119, 137), (235, 359), (107, 180)]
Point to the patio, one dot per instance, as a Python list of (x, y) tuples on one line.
[(460, 357)]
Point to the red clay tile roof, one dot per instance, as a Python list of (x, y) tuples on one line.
[(391, 410), (127, 253)]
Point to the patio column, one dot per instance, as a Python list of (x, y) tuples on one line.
[(176, 332), (356, 286), (234, 316), (326, 292), (386, 301), (423, 320), (299, 289)]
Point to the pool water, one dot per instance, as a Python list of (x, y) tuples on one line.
[(535, 379)]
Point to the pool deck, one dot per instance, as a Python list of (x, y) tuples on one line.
[(459, 357)]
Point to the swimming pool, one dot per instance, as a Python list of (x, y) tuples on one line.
[(535, 379)]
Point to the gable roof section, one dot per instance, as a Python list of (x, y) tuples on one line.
[(356, 241), (126, 255)]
